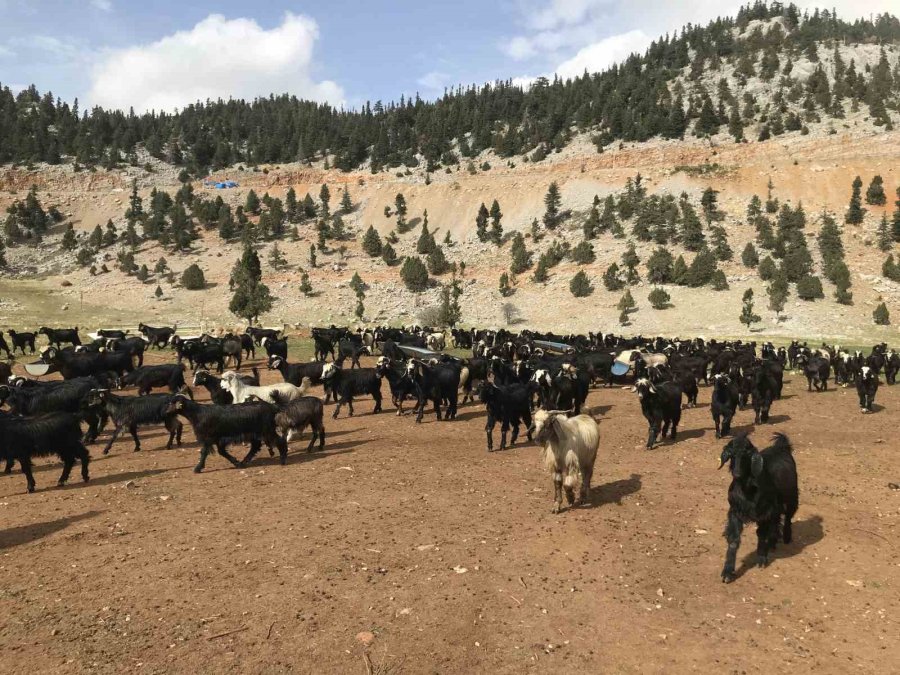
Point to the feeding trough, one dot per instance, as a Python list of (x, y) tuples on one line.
[(419, 352), (560, 347), (39, 368)]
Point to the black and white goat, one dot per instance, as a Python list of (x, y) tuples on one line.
[(661, 406), (866, 388)]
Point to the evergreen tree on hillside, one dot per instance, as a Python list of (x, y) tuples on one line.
[(496, 233), (855, 212), (552, 202), (521, 258), (481, 223)]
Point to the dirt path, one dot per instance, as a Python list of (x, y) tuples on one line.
[(450, 557)]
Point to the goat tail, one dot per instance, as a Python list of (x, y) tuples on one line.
[(782, 442), (278, 399), (463, 376)]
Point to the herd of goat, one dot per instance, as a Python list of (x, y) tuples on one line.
[(536, 381)]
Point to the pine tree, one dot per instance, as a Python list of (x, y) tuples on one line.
[(521, 258), (505, 288), (346, 202), (481, 222), (881, 315), (360, 310), (96, 238), (855, 212), (748, 318), (437, 262), (591, 226), (749, 256), (143, 273), (767, 268), (702, 269), (192, 278), (875, 194), (541, 271), (135, 212), (276, 258), (630, 261), (626, 302), (251, 297), (414, 274), (251, 206), (324, 201), (718, 281), (884, 235), (679, 271), (69, 242), (659, 298), (771, 201), (158, 292), (583, 253), (580, 285), (371, 243), (305, 286), (388, 255), (426, 243), (496, 233), (719, 240), (611, 279), (778, 294), (735, 125), (691, 229), (708, 122), (161, 266), (312, 256), (291, 207), (552, 202), (895, 223), (810, 288), (659, 266)]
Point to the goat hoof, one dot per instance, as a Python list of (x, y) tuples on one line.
[(198, 469), (727, 577)]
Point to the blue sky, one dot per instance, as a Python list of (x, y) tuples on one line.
[(164, 54)]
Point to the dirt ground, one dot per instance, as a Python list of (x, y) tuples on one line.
[(446, 559)]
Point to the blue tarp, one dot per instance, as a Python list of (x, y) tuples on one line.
[(226, 184)]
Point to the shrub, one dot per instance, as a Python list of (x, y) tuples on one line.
[(810, 288), (881, 315), (371, 243), (718, 281), (192, 278), (659, 298), (414, 274), (583, 253), (611, 279), (767, 268), (749, 256), (580, 285)]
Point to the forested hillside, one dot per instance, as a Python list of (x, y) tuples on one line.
[(769, 68)]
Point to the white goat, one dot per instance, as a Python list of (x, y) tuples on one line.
[(240, 391), (570, 448)]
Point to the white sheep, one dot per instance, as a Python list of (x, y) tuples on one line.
[(240, 391), (570, 448)]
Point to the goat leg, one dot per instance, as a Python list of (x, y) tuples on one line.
[(763, 540), (25, 463), (137, 441), (733, 531), (557, 491), (112, 439)]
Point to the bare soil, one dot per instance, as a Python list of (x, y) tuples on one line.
[(445, 558)]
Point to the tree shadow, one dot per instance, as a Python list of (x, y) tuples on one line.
[(25, 534), (613, 492), (806, 533)]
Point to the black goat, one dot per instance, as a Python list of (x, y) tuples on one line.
[(766, 388), (202, 355), (436, 383), (295, 372), (866, 388), (146, 378), (724, 403), (54, 434), (511, 404), (294, 416), (131, 412), (69, 396), (216, 425), (56, 336), (763, 489), (661, 406), (112, 333), (398, 381), (817, 370), (348, 348), (275, 347), (133, 346), (683, 377), (257, 334), (157, 337), (72, 364), (21, 340), (345, 384)]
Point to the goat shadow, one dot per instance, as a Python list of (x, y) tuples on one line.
[(806, 533), (598, 410), (25, 534), (614, 491)]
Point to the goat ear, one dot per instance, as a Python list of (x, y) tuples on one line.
[(756, 464)]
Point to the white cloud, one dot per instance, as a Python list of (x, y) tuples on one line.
[(217, 58), (102, 5), (600, 55), (434, 80), (6, 51)]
